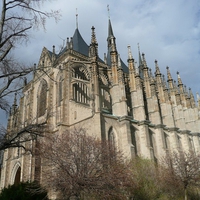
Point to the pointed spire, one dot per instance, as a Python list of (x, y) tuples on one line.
[(93, 38), (157, 68), (169, 76), (94, 44), (144, 60), (110, 31), (179, 79), (140, 58)]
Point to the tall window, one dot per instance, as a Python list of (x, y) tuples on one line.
[(166, 141), (151, 144), (179, 142), (133, 142), (42, 99), (106, 100), (111, 138), (80, 93), (60, 92)]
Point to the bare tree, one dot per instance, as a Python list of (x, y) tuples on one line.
[(17, 19), (81, 166), (182, 169)]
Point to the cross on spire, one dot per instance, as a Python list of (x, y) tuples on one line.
[(76, 18), (108, 11)]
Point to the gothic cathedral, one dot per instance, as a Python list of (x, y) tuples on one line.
[(140, 112)]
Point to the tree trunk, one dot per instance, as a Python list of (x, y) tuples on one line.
[(185, 190)]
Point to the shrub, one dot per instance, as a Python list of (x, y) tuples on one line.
[(24, 191)]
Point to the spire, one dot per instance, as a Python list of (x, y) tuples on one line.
[(157, 68), (169, 77), (93, 38), (180, 84), (144, 60), (94, 45), (179, 79), (110, 31), (140, 58)]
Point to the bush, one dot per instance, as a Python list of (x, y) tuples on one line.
[(24, 191)]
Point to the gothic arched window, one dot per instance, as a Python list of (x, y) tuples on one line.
[(80, 93), (106, 100), (60, 91), (42, 99), (111, 138), (80, 73), (133, 141)]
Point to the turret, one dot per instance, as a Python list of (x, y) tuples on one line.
[(93, 50), (93, 54)]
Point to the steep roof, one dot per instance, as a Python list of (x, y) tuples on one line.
[(79, 44)]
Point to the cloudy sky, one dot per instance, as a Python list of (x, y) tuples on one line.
[(166, 30)]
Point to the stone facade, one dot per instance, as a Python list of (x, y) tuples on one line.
[(142, 114)]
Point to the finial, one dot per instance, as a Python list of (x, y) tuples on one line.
[(179, 79), (157, 68), (178, 74), (76, 19), (129, 52), (108, 11), (93, 38)]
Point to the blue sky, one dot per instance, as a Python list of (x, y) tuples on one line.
[(166, 30)]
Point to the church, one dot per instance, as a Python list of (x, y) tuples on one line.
[(137, 109)]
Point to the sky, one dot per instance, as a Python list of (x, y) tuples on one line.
[(166, 30)]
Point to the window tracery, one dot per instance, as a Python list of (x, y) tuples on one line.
[(80, 93), (42, 99)]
